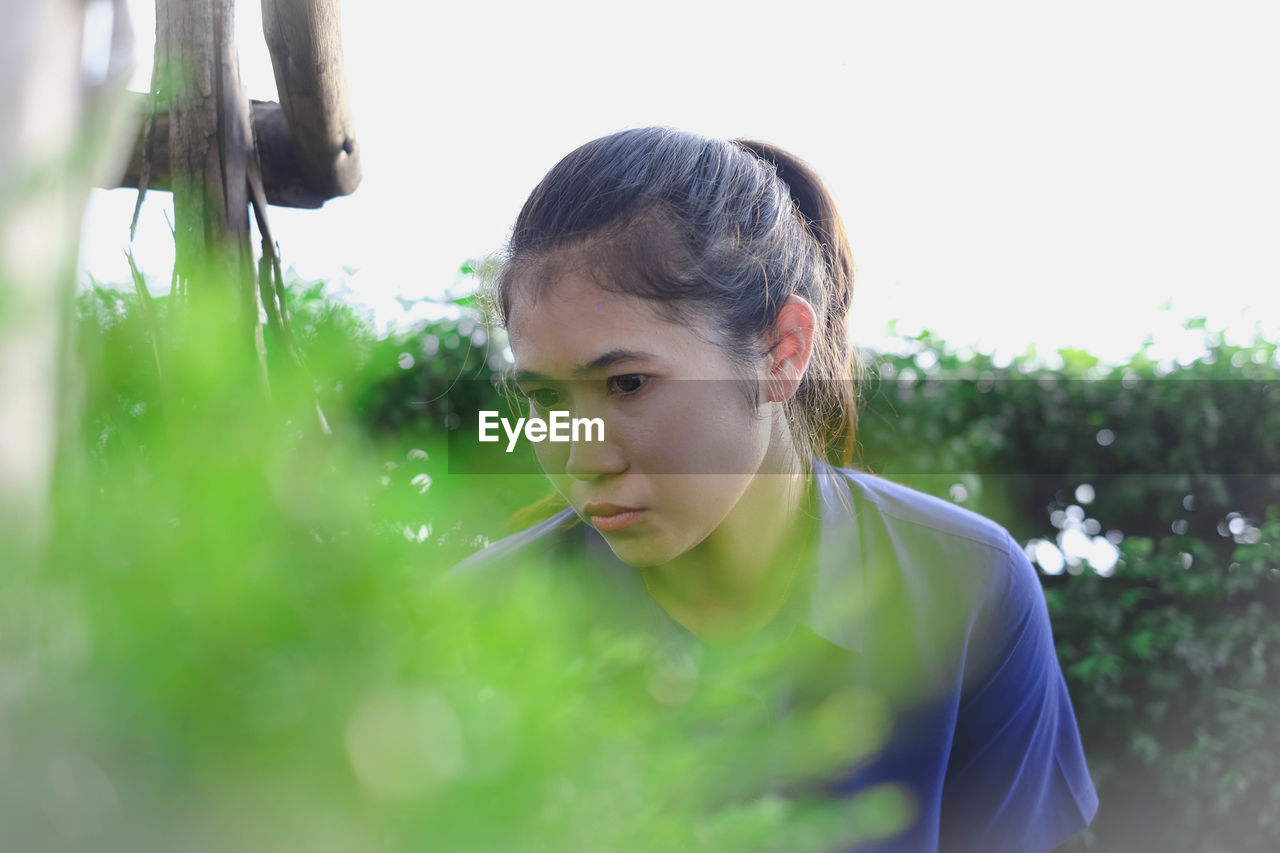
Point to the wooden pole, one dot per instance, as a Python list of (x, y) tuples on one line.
[(209, 145)]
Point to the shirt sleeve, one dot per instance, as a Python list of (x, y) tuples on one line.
[(1016, 779)]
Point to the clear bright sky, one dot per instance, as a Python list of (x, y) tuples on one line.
[(1009, 172)]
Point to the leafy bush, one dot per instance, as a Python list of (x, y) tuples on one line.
[(1172, 666)]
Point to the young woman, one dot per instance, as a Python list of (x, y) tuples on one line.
[(693, 295)]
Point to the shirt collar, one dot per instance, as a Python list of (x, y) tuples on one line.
[(828, 598)]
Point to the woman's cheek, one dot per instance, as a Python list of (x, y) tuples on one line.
[(552, 456), (706, 428)]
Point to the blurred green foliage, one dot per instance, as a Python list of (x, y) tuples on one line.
[(242, 640), (243, 637)]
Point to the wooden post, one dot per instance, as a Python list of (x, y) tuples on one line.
[(209, 146)]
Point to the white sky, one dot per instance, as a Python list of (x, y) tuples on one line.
[(1010, 172)]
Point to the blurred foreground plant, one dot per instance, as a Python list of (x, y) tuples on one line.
[(236, 644)]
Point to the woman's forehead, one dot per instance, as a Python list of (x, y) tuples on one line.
[(642, 256), (572, 321), (573, 311)]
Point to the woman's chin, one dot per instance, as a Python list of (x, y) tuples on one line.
[(638, 553)]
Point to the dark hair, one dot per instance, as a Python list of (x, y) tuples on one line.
[(734, 227)]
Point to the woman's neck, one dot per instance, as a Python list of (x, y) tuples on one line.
[(737, 579)]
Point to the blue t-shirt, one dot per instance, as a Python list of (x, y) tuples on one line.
[(937, 609)]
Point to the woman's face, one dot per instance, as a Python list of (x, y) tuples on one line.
[(683, 443)]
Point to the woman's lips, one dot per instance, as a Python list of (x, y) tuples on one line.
[(610, 518)]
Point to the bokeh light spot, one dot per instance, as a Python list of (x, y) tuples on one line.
[(1048, 557), (1103, 556), (404, 743)]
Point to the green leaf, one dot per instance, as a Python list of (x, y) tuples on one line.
[(1076, 362)]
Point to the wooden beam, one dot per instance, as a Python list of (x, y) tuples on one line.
[(305, 41), (284, 180), (307, 142)]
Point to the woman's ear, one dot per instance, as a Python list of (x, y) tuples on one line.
[(790, 342)]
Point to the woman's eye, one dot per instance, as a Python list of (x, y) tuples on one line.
[(627, 383), (544, 398)]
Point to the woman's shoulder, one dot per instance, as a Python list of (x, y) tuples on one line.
[(928, 559), (534, 543), (908, 510)]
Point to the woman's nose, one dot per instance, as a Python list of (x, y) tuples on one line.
[(591, 460)]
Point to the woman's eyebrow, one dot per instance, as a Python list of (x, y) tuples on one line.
[(609, 358), (613, 356)]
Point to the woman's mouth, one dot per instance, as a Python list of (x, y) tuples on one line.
[(610, 518)]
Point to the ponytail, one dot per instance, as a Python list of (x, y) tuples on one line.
[(827, 398)]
